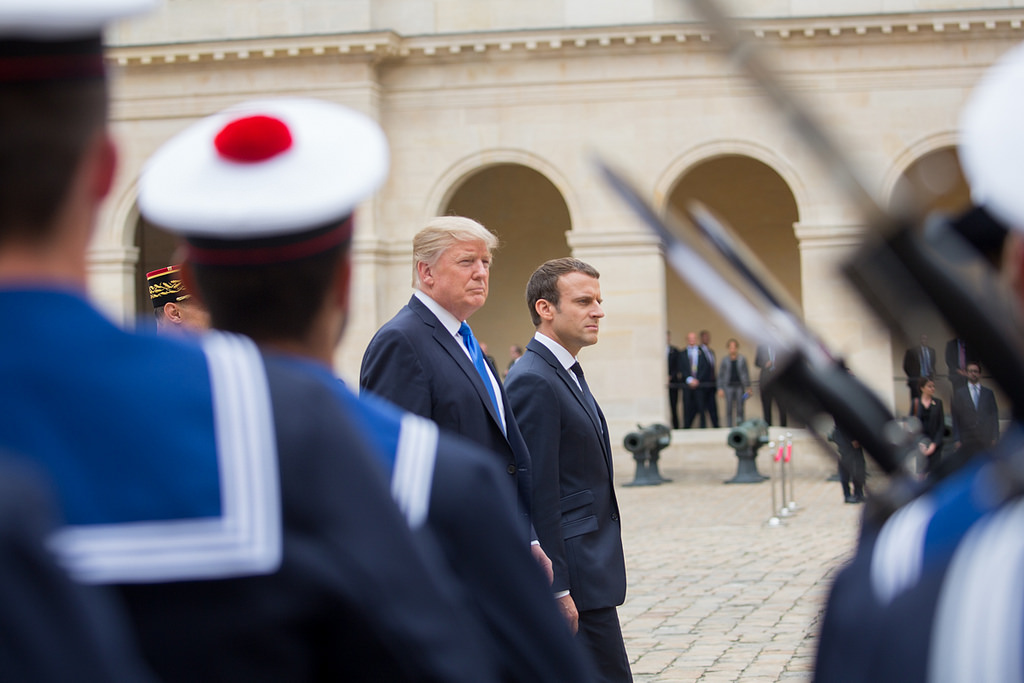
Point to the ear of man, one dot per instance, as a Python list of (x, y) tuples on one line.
[(172, 313), (545, 309)]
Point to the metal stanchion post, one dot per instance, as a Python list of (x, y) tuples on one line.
[(774, 519), (779, 457), (792, 476)]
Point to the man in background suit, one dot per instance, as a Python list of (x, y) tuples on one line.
[(575, 510), (709, 388), (918, 362), (698, 372), (675, 380), (975, 415), (427, 361)]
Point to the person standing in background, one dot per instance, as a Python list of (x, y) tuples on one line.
[(734, 383)]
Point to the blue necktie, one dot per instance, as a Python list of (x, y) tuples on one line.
[(478, 362)]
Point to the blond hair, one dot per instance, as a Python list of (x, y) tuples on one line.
[(443, 232)]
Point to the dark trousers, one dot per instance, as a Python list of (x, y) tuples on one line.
[(766, 408), (852, 471), (693, 405), (710, 401), (673, 405), (600, 636)]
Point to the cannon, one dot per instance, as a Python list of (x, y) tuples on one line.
[(745, 439), (646, 445)]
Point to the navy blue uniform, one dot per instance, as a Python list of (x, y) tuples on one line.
[(236, 507)]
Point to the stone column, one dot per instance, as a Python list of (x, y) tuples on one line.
[(112, 281), (626, 368), (836, 312)]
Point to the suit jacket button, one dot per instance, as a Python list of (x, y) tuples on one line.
[(511, 469), (615, 516)]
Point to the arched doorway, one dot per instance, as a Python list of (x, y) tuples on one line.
[(758, 205), (530, 217), (935, 183)]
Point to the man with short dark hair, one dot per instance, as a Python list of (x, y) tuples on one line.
[(975, 415), (574, 505)]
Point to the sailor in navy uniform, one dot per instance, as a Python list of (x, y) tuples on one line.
[(297, 289), (51, 629), (935, 594), (254, 539)]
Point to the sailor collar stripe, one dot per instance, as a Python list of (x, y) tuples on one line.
[(246, 539)]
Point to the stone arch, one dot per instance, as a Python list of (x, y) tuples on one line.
[(911, 156), (452, 178), (933, 167), (764, 220), (700, 154)]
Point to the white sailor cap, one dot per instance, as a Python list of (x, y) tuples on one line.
[(50, 40), (265, 181), (64, 19), (992, 140)]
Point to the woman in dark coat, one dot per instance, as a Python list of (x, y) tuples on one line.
[(928, 410)]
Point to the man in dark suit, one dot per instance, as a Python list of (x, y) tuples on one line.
[(709, 389), (575, 511), (765, 359), (427, 361), (675, 380), (918, 362), (975, 415), (697, 373)]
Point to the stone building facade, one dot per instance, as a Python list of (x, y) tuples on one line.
[(495, 110)]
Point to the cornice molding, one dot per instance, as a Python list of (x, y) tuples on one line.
[(389, 46)]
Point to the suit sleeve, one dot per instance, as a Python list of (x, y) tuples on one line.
[(393, 369), (529, 637), (535, 406)]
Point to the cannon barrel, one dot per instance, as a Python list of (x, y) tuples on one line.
[(745, 439), (748, 435), (654, 437), (645, 445)]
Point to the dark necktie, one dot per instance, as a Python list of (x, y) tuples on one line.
[(478, 362), (588, 398)]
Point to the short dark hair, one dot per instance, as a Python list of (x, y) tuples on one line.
[(922, 381), (543, 283), (268, 302), (45, 128)]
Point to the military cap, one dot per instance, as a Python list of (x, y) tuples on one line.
[(166, 286)]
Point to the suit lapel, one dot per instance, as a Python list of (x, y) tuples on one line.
[(451, 346), (570, 384)]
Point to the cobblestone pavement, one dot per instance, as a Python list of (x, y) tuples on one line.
[(714, 592)]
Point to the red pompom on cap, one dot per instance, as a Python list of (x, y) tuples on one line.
[(252, 139)]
